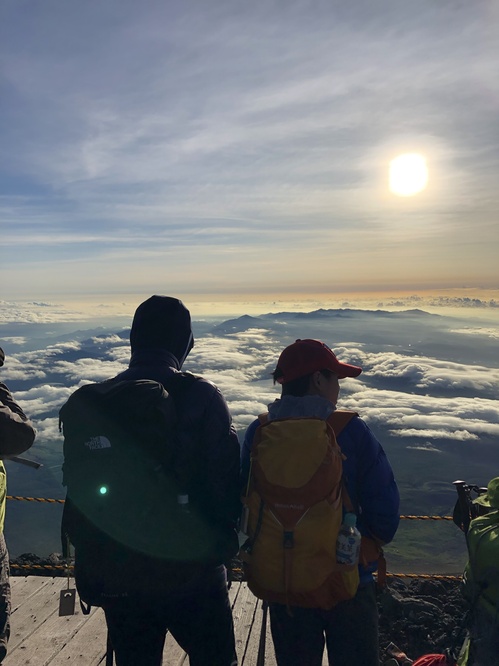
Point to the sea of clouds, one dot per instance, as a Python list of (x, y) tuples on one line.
[(428, 388)]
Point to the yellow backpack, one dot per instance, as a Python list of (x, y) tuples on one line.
[(294, 506)]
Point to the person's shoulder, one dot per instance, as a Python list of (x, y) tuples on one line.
[(196, 388), (191, 381), (358, 432), (356, 425), (251, 429)]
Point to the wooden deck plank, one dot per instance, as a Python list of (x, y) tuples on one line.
[(35, 610), (24, 587), (38, 633), (41, 638), (173, 655), (58, 632), (253, 643), (88, 645), (244, 618)]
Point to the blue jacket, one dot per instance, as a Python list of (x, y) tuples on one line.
[(367, 473)]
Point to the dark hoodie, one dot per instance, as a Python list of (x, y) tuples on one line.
[(162, 323)]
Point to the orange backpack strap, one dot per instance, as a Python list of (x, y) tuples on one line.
[(263, 418), (339, 419)]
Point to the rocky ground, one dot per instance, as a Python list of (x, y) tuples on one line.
[(419, 616)]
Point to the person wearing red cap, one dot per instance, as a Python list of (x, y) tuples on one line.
[(309, 373)]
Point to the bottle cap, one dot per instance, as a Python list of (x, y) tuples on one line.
[(350, 520)]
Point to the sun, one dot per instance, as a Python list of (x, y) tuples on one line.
[(408, 174)]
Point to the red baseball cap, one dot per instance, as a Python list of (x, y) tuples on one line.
[(304, 357)]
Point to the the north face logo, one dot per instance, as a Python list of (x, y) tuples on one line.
[(98, 442)]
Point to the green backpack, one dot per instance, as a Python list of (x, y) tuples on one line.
[(481, 575)]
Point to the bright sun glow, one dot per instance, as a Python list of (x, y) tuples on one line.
[(408, 174)]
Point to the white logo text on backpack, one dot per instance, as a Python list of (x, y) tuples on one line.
[(98, 442)]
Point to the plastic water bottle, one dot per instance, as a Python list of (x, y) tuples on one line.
[(183, 503), (348, 543)]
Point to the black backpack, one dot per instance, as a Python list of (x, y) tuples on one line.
[(124, 472)]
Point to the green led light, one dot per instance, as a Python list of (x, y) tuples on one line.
[(103, 490)]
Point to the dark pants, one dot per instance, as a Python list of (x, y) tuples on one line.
[(484, 650), (199, 618), (349, 630), (4, 598)]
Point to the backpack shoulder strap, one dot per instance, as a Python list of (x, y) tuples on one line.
[(339, 419), (263, 418)]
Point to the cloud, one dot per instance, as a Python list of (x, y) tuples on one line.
[(457, 435), (18, 369), (88, 369), (412, 399), (47, 430), (428, 373), (35, 313), (14, 340), (43, 399), (397, 410), (427, 447), (478, 330)]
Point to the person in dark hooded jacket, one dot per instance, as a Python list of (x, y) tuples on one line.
[(196, 608)]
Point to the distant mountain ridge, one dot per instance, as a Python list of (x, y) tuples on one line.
[(351, 312), (244, 322)]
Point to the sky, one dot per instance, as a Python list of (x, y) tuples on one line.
[(222, 147)]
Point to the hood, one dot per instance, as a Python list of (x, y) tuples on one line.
[(162, 323)]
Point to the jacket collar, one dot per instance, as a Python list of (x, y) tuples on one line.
[(156, 357)]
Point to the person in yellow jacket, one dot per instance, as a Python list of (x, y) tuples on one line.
[(16, 435)]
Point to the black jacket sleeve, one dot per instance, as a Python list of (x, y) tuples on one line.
[(16, 432), (207, 421)]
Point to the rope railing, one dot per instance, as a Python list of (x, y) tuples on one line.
[(426, 518), (428, 576), (42, 567), (235, 570), (61, 501), (70, 567), (35, 499)]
